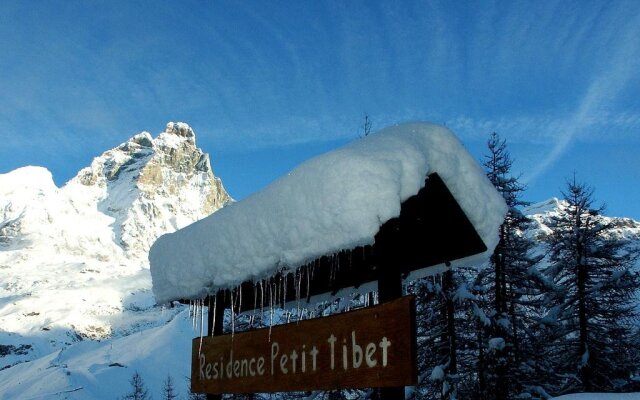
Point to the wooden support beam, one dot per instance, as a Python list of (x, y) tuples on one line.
[(389, 288)]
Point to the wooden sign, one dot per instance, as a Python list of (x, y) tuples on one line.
[(371, 347)]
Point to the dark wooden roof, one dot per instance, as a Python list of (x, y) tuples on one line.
[(431, 230)]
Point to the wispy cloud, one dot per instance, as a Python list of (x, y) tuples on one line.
[(600, 95), (544, 129)]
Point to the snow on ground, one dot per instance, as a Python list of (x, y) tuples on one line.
[(101, 369), (330, 203), (600, 396)]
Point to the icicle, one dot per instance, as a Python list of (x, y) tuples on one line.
[(215, 303), (308, 285), (285, 289), (201, 308), (193, 315), (271, 298), (240, 301), (298, 289), (198, 312), (201, 326), (261, 300), (255, 301), (233, 318)]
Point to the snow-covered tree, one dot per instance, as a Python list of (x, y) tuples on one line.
[(445, 350), (138, 389), (168, 390), (509, 292), (594, 305)]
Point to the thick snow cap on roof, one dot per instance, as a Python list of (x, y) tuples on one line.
[(336, 201)]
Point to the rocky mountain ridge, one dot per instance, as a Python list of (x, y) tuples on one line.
[(152, 186), (73, 260)]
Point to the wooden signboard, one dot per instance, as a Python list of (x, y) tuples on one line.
[(371, 347)]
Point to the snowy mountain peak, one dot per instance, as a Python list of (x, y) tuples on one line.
[(142, 139), (542, 214), (544, 206), (151, 186), (73, 260), (180, 129), (22, 209), (136, 191)]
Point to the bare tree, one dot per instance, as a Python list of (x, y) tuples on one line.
[(366, 125)]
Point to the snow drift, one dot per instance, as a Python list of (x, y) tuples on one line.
[(336, 201)]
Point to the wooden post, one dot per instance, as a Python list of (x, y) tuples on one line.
[(216, 308), (389, 288)]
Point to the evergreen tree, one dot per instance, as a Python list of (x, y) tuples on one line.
[(431, 329), (194, 396), (168, 390), (138, 389), (510, 293), (594, 314), (445, 353)]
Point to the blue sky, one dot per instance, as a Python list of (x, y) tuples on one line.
[(267, 85)]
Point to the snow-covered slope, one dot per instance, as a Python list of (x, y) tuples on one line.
[(73, 260), (101, 369)]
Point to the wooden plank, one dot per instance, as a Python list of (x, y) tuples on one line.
[(371, 347)]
